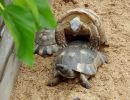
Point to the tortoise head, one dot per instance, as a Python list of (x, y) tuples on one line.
[(65, 71), (75, 24)]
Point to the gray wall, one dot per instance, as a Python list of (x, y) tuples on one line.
[(9, 64)]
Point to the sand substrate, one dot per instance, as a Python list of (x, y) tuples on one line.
[(112, 82)]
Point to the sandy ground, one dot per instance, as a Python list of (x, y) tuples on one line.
[(112, 82)]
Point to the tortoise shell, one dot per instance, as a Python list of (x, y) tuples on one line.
[(80, 57), (91, 27), (86, 15)]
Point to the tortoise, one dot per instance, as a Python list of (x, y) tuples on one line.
[(81, 23), (45, 43), (78, 59)]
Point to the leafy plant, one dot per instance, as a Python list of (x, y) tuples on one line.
[(24, 18)]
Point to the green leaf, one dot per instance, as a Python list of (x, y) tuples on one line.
[(24, 18), (46, 16), (21, 3), (22, 27), (31, 5), (40, 10), (33, 8), (2, 2)]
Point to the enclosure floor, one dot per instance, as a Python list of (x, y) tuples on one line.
[(112, 82)]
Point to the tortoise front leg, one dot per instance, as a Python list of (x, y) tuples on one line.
[(60, 39), (55, 81), (94, 35), (104, 37), (84, 81), (60, 36)]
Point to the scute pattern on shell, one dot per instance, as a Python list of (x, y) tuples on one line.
[(83, 12), (89, 18), (79, 57)]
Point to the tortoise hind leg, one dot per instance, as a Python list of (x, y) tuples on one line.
[(84, 81), (103, 57), (55, 81)]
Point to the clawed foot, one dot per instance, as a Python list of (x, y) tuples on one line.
[(86, 85), (54, 81), (45, 50), (105, 40), (64, 45), (84, 81), (106, 43)]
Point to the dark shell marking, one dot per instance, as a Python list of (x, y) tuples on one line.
[(81, 58)]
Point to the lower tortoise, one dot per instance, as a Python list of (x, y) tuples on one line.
[(80, 60)]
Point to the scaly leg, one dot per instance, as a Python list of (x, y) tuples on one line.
[(104, 37), (60, 36), (56, 80), (94, 35), (84, 81)]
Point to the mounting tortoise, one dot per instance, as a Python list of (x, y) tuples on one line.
[(77, 24), (80, 24), (78, 59)]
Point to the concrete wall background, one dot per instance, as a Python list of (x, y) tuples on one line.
[(9, 63)]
